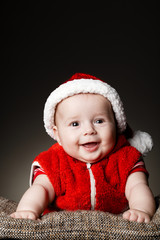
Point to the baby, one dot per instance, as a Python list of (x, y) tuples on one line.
[(92, 166)]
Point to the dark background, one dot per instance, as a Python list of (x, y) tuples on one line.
[(44, 44)]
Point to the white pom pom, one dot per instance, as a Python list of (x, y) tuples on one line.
[(142, 141)]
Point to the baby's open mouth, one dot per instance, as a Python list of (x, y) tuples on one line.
[(90, 146)]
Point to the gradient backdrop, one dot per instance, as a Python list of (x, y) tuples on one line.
[(43, 45)]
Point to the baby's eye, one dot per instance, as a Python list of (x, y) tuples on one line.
[(74, 124), (99, 121)]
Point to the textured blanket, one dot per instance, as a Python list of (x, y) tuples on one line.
[(76, 225)]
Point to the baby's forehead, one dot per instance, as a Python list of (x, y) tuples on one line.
[(84, 97)]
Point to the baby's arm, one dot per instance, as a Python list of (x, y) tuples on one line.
[(140, 198), (35, 199)]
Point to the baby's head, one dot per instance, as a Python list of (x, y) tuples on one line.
[(85, 126), (84, 115)]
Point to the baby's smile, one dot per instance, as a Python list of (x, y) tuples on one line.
[(90, 146)]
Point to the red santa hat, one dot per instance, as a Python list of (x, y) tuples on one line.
[(85, 83)]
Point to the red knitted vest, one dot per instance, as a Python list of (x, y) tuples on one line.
[(71, 180)]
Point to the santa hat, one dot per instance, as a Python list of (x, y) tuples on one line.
[(85, 83)]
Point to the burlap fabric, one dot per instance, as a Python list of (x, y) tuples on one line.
[(76, 225)]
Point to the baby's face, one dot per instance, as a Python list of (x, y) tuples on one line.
[(85, 127)]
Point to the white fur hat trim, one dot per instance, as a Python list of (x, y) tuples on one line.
[(142, 141), (78, 86)]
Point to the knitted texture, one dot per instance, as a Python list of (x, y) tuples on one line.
[(78, 225), (70, 178)]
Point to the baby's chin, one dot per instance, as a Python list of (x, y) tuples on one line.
[(94, 158), (91, 160)]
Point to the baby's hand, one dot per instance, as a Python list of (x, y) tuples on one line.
[(25, 214), (137, 216)]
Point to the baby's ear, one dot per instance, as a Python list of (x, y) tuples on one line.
[(56, 135)]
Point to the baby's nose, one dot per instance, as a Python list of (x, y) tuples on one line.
[(89, 130)]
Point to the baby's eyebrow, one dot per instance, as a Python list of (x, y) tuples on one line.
[(101, 113), (71, 119), (105, 113)]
